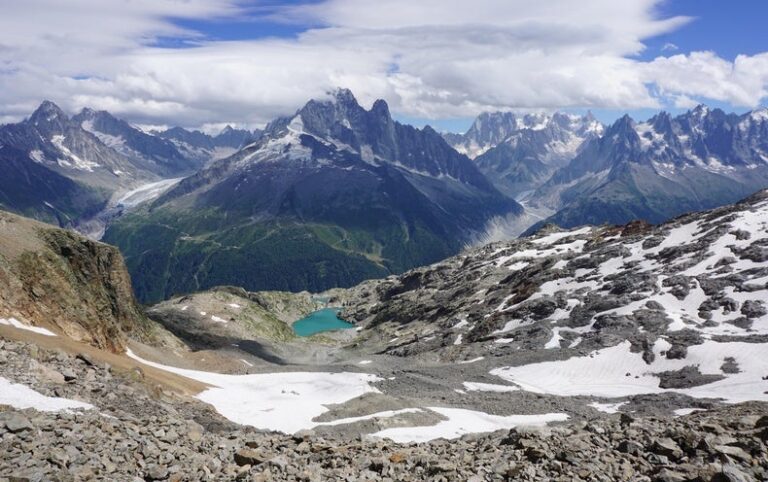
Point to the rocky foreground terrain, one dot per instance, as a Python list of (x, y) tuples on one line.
[(137, 432)]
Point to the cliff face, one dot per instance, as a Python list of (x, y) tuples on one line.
[(57, 279)]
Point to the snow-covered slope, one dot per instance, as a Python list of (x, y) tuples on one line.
[(608, 312), (149, 152)]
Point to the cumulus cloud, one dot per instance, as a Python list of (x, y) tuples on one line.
[(430, 59), (743, 82)]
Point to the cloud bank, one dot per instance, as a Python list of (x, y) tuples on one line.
[(430, 59)]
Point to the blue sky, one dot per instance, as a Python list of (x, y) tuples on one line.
[(206, 63)]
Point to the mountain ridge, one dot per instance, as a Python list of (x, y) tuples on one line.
[(357, 186), (661, 168), (85, 162), (519, 152)]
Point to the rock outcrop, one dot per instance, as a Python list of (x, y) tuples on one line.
[(58, 279)]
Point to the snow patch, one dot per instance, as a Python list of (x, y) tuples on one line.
[(488, 387), (607, 407), (23, 326), (461, 422), (22, 397), (617, 372), (286, 402)]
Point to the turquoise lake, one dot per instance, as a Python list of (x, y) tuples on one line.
[(326, 319)]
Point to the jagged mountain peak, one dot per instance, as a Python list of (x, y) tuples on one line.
[(343, 96), (329, 117), (90, 113), (624, 127), (519, 151), (94, 120), (760, 113), (660, 168), (226, 130), (345, 129), (48, 106), (559, 133), (700, 110), (49, 115), (339, 102)]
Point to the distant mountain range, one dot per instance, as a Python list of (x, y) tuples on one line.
[(576, 171), (336, 193), (204, 147), (661, 168), (519, 153), (65, 170), (327, 197)]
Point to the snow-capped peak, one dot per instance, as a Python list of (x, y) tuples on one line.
[(759, 115)]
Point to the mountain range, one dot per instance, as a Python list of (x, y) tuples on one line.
[(518, 153), (335, 193), (204, 147), (661, 168), (572, 171), (327, 197), (65, 169)]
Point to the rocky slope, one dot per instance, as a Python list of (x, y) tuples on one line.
[(680, 308), (33, 190), (218, 317), (328, 197), (661, 168), (56, 279), (133, 432)]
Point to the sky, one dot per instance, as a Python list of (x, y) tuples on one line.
[(208, 63)]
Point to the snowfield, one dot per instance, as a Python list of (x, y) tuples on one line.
[(146, 192), (285, 402), (461, 422), (289, 402), (22, 397), (617, 372)]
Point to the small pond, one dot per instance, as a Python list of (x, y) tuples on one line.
[(326, 319)]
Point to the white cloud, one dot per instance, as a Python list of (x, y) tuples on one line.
[(743, 82), (428, 58)]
